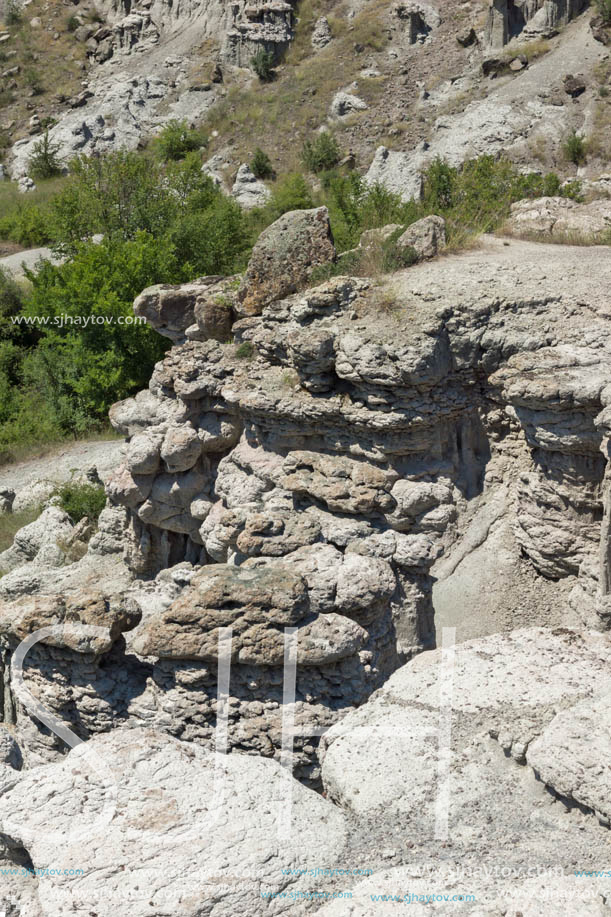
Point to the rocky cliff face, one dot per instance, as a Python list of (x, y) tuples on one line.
[(312, 464), (509, 18)]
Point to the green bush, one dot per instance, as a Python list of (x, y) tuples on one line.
[(574, 149), (43, 163), (291, 193), (261, 165), (80, 499), (177, 139), (29, 226), (244, 351), (263, 64), (320, 154), (12, 13), (603, 7), (34, 82), (72, 24)]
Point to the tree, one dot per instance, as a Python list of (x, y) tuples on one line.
[(263, 64), (43, 163), (320, 154), (261, 165)]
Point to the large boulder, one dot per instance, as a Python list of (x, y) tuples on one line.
[(284, 257), (160, 827), (506, 687), (561, 218), (573, 754), (427, 237), (398, 172)]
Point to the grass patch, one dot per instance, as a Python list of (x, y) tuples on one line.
[(10, 523)]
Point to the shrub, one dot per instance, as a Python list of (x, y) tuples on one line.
[(43, 163), (72, 24), (177, 139), (263, 64), (261, 165), (34, 81), (244, 351), (80, 499), (574, 149), (292, 193), (321, 154), (603, 8), (12, 13)]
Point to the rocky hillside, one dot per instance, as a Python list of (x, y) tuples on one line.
[(310, 468), (325, 630), (425, 80)]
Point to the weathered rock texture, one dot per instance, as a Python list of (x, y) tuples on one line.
[(209, 834), (309, 473), (562, 219), (508, 18)]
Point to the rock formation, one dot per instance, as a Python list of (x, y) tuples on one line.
[(508, 18)]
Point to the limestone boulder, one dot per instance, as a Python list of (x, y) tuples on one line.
[(284, 257), (165, 828), (427, 237)]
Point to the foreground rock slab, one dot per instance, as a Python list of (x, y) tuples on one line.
[(183, 840), (505, 687)]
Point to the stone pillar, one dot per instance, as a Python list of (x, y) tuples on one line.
[(497, 30)]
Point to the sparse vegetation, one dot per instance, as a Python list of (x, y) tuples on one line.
[(12, 13), (261, 165), (574, 149), (320, 154), (263, 64), (244, 351), (603, 8)]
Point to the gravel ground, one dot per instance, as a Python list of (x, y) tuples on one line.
[(58, 464)]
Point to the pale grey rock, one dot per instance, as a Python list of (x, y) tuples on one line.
[(25, 185), (535, 897), (417, 19), (398, 172), (427, 237), (322, 35), (40, 542), (143, 453), (33, 495), (181, 448), (561, 218), (163, 850), (572, 755), (346, 103), (248, 190), (509, 686)]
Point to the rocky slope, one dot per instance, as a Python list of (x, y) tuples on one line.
[(307, 462), (399, 83)]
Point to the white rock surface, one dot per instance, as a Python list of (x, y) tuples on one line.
[(249, 191), (178, 843), (508, 686)]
